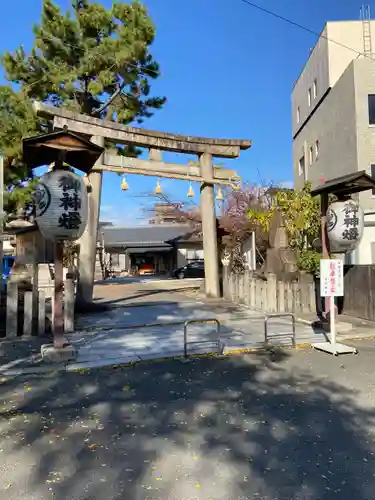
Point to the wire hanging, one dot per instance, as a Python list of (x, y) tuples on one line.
[(124, 184)]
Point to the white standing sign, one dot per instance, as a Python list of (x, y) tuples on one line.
[(331, 278), (332, 285)]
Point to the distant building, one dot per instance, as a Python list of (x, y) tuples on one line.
[(333, 123), (166, 213), (164, 247)]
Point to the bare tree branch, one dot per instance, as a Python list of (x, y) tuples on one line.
[(234, 222)]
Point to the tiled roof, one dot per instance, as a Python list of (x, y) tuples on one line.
[(143, 235), (146, 249)]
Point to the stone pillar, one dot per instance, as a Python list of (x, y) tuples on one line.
[(271, 298), (307, 293), (69, 306), (87, 253), (289, 295), (28, 313), (247, 288), (226, 285), (12, 305), (252, 302), (211, 257), (280, 296), (42, 313)]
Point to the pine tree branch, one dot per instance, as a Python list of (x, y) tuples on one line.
[(110, 100)]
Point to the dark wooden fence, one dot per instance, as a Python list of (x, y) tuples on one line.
[(359, 287)]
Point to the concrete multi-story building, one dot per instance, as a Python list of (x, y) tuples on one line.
[(333, 103)]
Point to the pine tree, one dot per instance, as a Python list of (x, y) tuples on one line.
[(17, 120), (92, 60)]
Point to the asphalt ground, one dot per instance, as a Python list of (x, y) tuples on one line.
[(289, 425)]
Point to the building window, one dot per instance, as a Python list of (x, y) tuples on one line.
[(316, 149), (373, 176), (315, 89), (298, 114), (311, 155), (309, 96), (371, 109), (301, 166)]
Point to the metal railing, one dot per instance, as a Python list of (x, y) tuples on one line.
[(202, 321), (291, 334), (185, 324)]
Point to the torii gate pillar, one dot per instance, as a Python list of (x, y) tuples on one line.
[(210, 250), (88, 241)]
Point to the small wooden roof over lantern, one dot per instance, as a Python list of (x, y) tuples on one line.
[(47, 148), (345, 185)]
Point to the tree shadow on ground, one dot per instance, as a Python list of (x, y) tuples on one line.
[(123, 300), (232, 428)]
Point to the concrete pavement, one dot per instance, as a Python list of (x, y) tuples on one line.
[(138, 333), (146, 321), (139, 290), (132, 334)]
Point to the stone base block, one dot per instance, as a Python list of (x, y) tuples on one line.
[(52, 354)]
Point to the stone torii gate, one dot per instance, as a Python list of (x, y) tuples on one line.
[(156, 142)]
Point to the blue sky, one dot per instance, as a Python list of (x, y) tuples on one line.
[(227, 71)]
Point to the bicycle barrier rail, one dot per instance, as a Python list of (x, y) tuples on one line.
[(197, 322), (185, 324), (291, 334)]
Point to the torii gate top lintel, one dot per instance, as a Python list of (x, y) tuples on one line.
[(222, 148)]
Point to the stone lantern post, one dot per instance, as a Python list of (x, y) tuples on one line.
[(61, 208)]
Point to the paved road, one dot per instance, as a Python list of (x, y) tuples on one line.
[(119, 335), (296, 427), (140, 290)]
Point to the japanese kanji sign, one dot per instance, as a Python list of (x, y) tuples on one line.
[(331, 278), (70, 202)]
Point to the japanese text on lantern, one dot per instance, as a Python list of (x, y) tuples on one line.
[(70, 203), (351, 222)]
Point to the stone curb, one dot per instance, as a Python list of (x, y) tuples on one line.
[(303, 321), (343, 335), (75, 367)]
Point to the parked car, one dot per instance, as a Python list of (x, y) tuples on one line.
[(192, 270)]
